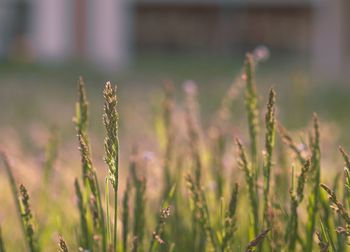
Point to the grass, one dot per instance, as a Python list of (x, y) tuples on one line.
[(201, 191)]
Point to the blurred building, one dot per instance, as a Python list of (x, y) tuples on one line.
[(59, 30), (102, 31), (224, 25)]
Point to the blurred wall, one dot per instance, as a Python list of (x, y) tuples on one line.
[(215, 26)]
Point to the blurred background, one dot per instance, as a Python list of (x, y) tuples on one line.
[(112, 33), (45, 45)]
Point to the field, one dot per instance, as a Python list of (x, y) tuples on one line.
[(244, 158)]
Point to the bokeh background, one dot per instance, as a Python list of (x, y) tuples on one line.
[(45, 45)]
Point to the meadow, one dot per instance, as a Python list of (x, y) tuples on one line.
[(240, 167)]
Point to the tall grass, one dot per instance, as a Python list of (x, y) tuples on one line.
[(110, 120), (197, 203)]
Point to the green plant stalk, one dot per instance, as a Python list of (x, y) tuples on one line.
[(296, 198), (168, 107), (194, 147), (51, 153), (126, 216), (201, 211), (139, 215), (27, 220), (251, 183), (115, 231), (83, 222), (13, 187), (328, 237), (346, 174), (156, 237), (230, 222), (218, 151), (81, 120), (102, 218), (322, 243), (162, 218), (110, 120), (347, 184), (139, 204), (251, 102), (197, 236), (327, 217), (340, 239), (342, 213), (2, 246), (93, 186), (89, 175), (108, 221), (338, 206), (269, 146), (314, 197)]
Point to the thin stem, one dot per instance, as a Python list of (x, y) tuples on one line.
[(115, 215)]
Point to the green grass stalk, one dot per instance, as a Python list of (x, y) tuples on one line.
[(296, 198), (162, 218), (168, 110), (201, 211), (86, 238), (230, 221), (110, 120), (252, 189), (126, 216), (27, 219), (270, 122), (2, 246), (89, 175), (251, 102), (51, 153), (315, 193), (139, 205), (13, 186)]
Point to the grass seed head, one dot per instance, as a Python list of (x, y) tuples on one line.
[(110, 120), (62, 244)]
